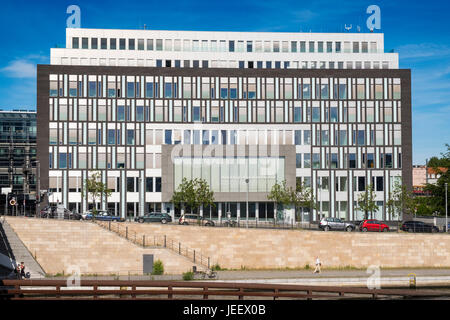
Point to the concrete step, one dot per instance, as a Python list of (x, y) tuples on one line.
[(20, 252)]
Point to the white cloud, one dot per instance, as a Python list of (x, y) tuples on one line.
[(423, 50), (20, 69)]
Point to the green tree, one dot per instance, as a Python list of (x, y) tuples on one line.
[(366, 202), (193, 194), (436, 201), (302, 197), (401, 200), (282, 196), (94, 187)]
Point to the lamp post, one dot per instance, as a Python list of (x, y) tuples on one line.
[(246, 210), (446, 208)]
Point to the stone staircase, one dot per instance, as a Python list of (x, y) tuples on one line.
[(18, 252), (195, 256), (62, 247)]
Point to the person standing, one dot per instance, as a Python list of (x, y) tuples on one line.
[(318, 265), (22, 270)]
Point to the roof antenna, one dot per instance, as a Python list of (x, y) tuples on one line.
[(145, 26)]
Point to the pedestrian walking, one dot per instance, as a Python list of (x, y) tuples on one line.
[(318, 265)]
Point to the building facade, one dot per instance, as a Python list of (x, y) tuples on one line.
[(18, 160), (148, 108)]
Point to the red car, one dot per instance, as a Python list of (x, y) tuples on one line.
[(373, 225)]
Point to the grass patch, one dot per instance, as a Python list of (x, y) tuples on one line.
[(187, 276)]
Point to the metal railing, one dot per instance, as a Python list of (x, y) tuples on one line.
[(148, 290), (145, 241)]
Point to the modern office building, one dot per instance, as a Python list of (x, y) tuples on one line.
[(18, 160), (146, 108)]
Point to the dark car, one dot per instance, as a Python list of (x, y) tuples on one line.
[(373, 225), (195, 219), (418, 226), (103, 216), (154, 217), (51, 212), (47, 212)]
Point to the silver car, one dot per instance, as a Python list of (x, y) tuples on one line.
[(329, 223)]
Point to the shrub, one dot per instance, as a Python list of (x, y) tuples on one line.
[(188, 276), (307, 267), (158, 267), (216, 267)]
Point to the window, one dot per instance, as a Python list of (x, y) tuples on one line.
[(316, 160), (104, 43), (120, 113), (112, 44), (139, 113), (84, 43), (388, 160), (249, 46), (306, 160), (130, 89), (149, 184), (122, 44), (298, 137), (94, 43), (130, 137), (140, 44), (111, 136), (75, 43), (130, 184), (297, 114), (231, 46), (352, 160), (307, 137), (361, 183), (298, 160), (168, 137), (196, 115), (158, 184)]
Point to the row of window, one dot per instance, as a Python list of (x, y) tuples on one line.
[(224, 45), (359, 184), (370, 136), (152, 184), (210, 88), (250, 64), (243, 114), (349, 161)]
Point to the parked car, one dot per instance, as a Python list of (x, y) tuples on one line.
[(373, 225), (195, 219), (329, 223), (52, 213), (102, 215), (154, 217), (418, 226), (47, 212)]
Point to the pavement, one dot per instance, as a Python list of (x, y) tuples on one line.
[(360, 278)]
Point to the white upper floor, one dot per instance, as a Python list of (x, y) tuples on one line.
[(111, 47)]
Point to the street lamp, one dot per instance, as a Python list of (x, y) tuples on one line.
[(246, 210), (446, 208)]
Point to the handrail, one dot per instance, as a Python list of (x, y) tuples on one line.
[(157, 241), (146, 289)]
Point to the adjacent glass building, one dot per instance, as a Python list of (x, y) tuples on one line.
[(18, 160), (338, 129)]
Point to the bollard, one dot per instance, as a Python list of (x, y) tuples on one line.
[(179, 248), (412, 280), (126, 233), (165, 239), (143, 240)]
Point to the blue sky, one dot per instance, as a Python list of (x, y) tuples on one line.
[(418, 30)]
